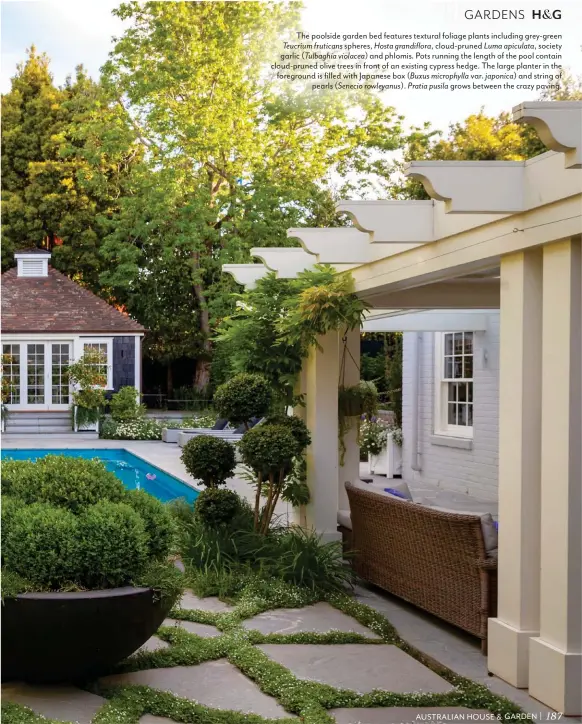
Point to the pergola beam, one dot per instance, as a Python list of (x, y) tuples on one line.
[(455, 294), (429, 321), (473, 250), (476, 187), (287, 262), (559, 125), (344, 245), (246, 274)]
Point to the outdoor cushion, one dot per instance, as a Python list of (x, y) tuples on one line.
[(380, 487), (220, 424), (344, 519), (487, 523)]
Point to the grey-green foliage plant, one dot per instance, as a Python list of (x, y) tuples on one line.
[(209, 459), (243, 397)]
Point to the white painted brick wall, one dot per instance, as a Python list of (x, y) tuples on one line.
[(468, 471)]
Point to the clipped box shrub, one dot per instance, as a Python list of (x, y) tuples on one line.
[(209, 459), (216, 506), (296, 425), (114, 544), (41, 543), (159, 523), (243, 397), (63, 481), (269, 449), (18, 476)]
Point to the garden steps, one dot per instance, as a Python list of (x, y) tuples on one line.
[(49, 422)]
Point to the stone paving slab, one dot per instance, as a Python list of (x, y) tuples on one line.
[(63, 703), (153, 644), (405, 714), (320, 618), (200, 629), (151, 719), (191, 602), (359, 667), (217, 684)]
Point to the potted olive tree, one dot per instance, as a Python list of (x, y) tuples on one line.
[(86, 575)]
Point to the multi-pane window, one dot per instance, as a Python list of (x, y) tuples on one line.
[(458, 375), (11, 372), (35, 374), (101, 348), (60, 383)]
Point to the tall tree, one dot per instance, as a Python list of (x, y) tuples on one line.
[(50, 194), (233, 157)]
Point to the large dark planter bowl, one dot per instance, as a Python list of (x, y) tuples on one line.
[(64, 637)]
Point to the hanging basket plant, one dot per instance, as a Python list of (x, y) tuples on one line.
[(358, 400)]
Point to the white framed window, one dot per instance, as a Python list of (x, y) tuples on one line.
[(11, 368), (454, 384), (105, 347)]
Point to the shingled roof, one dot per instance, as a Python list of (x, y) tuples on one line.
[(54, 303)]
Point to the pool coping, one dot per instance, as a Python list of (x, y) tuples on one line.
[(92, 444)]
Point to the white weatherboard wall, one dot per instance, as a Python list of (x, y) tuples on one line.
[(473, 471)]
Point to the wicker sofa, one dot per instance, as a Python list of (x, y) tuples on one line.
[(433, 559)]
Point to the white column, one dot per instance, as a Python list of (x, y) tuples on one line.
[(519, 467), (321, 385), (556, 656), (350, 469)]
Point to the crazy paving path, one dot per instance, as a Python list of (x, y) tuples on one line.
[(281, 649)]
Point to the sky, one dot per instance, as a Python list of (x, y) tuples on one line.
[(80, 31)]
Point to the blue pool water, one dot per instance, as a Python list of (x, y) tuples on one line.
[(130, 469)]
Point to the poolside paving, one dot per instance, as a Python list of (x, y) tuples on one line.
[(217, 684), (319, 618), (190, 601), (358, 667), (63, 703), (153, 644)]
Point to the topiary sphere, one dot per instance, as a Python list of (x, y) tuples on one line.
[(243, 397), (298, 428), (216, 506), (158, 520), (209, 459), (41, 544), (66, 482), (114, 544), (269, 449)]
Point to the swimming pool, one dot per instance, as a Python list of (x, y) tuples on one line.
[(129, 468)]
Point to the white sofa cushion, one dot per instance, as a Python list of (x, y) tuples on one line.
[(344, 519)]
